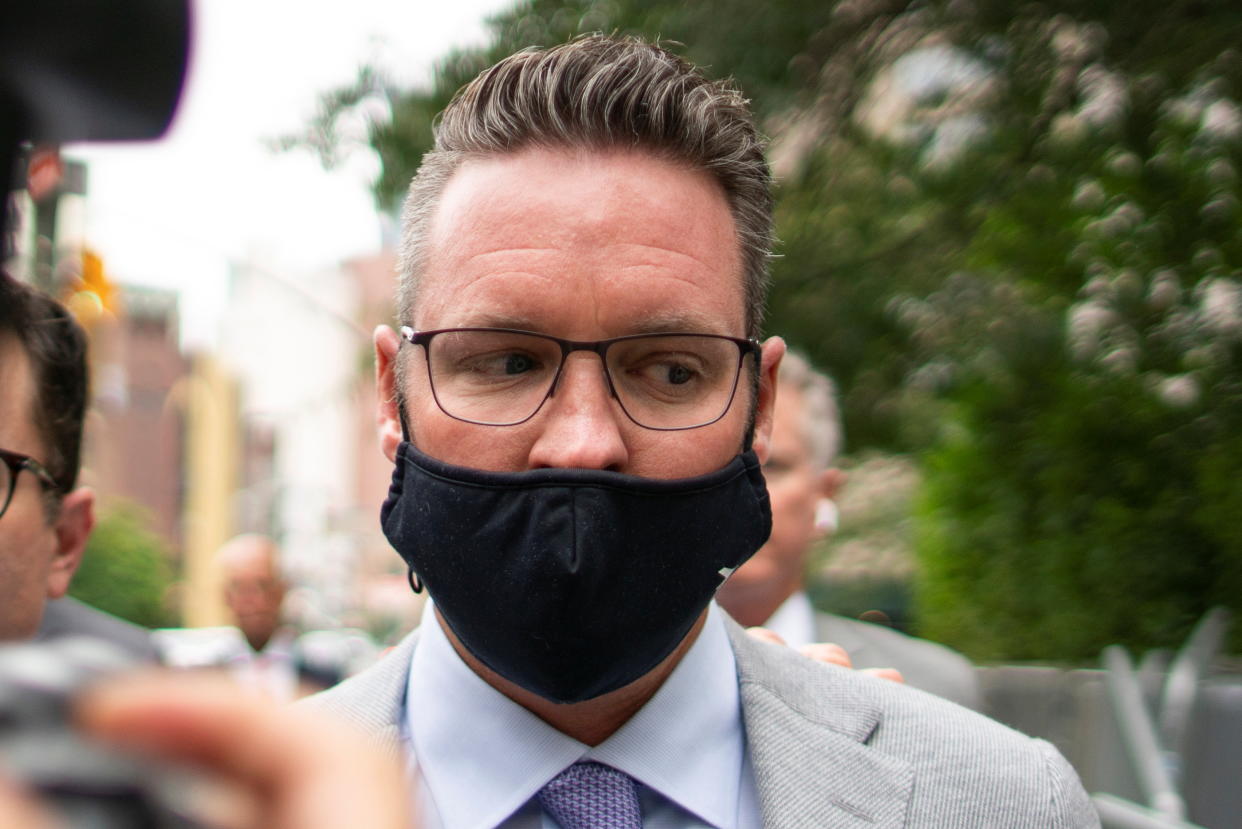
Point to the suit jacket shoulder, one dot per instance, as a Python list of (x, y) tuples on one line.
[(373, 699), (832, 747), (926, 665)]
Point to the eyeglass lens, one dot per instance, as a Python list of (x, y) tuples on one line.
[(662, 382)]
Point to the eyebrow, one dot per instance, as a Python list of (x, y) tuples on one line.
[(661, 323), (487, 319), (678, 321)]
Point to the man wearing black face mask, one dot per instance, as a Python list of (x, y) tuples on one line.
[(577, 405)]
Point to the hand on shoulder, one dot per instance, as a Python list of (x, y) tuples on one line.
[(826, 652)]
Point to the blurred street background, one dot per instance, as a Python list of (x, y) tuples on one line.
[(1009, 231)]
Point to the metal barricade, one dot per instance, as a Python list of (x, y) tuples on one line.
[(1160, 744)]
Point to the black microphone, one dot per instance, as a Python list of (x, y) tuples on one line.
[(88, 70)]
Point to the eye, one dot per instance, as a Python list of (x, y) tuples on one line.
[(501, 364), (666, 380), (667, 371), (518, 363), (679, 374)]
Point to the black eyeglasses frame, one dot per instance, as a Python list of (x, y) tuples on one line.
[(16, 462), (746, 347)]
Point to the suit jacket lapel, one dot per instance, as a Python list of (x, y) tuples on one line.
[(807, 727)]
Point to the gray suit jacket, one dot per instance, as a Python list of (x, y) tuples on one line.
[(834, 748), (925, 665)]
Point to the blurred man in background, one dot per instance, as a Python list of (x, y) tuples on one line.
[(263, 652), (45, 518), (254, 590), (768, 590)]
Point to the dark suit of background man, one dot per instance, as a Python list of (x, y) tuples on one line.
[(577, 404), (768, 589)]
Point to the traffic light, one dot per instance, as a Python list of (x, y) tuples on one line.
[(93, 294)]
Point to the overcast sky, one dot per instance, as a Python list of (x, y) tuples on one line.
[(175, 213)]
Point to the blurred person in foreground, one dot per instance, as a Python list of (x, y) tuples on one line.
[(577, 405), (285, 768), (270, 765), (768, 589)]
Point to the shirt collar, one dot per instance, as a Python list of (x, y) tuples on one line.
[(491, 755), (696, 713)]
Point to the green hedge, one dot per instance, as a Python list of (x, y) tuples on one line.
[(1074, 513), (125, 570)]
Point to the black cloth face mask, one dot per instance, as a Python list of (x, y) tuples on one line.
[(572, 582)]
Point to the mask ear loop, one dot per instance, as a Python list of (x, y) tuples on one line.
[(405, 429), (416, 584)]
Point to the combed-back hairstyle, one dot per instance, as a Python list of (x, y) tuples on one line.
[(822, 433), (601, 93), (56, 347)]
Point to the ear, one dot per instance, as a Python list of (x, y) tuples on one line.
[(830, 483), (72, 527), (827, 518), (387, 416), (769, 365)]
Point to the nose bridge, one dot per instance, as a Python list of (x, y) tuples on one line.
[(568, 348), (581, 428)]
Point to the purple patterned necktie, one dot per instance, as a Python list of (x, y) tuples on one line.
[(592, 796)]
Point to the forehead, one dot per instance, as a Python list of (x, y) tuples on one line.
[(248, 561), (579, 241), (18, 432)]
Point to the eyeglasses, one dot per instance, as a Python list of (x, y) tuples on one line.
[(11, 465), (501, 377)]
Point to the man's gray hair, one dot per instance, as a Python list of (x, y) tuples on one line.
[(821, 418), (601, 93)]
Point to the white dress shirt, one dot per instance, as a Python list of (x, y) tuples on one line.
[(481, 759), (794, 621), (271, 671)]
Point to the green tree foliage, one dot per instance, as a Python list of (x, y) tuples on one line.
[(1011, 233), (125, 569), (1076, 492)]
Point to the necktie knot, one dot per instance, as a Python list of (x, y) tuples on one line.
[(591, 795)]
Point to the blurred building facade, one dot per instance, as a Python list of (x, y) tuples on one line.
[(383, 588), (300, 346), (273, 432), (135, 433), (136, 439)]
